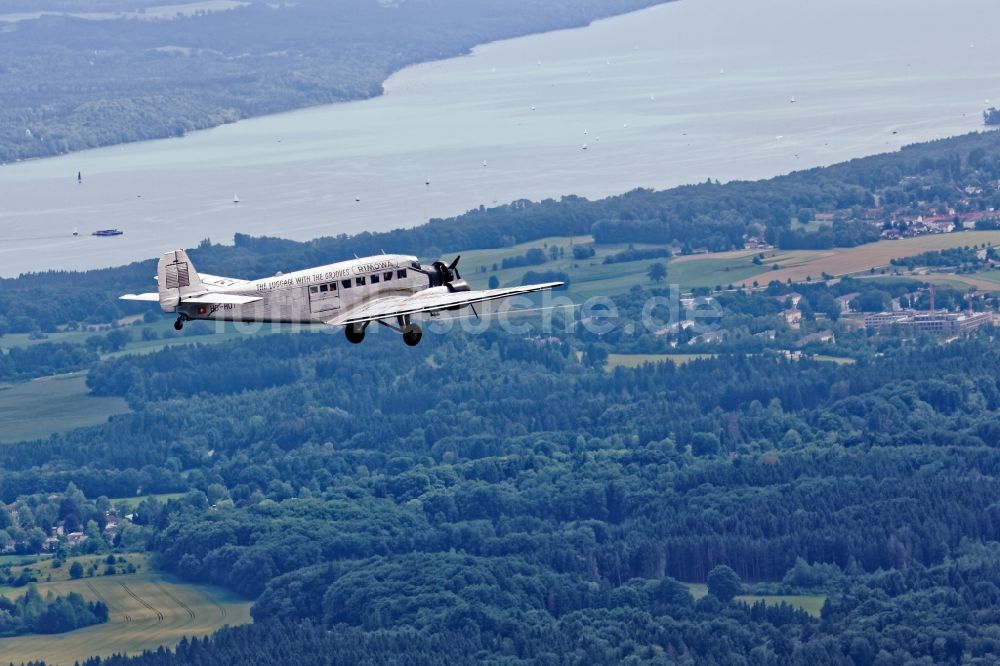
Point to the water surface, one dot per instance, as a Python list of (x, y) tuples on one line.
[(681, 92)]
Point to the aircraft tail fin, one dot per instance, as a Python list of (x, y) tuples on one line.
[(177, 278)]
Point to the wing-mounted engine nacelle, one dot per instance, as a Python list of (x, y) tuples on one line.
[(441, 274), (445, 275)]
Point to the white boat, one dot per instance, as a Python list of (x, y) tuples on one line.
[(236, 198)]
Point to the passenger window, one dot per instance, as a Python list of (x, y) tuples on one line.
[(401, 274), (386, 276), (333, 286), (323, 287), (346, 284), (360, 281), (313, 290), (375, 279)]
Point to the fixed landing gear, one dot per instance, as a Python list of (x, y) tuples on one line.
[(179, 324), (355, 333), (412, 335)]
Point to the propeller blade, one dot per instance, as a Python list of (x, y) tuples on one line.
[(454, 263)]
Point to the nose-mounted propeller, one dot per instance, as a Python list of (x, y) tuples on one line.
[(447, 275)]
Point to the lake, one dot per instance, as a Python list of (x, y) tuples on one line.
[(678, 93)]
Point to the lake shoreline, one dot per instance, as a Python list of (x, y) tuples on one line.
[(652, 99)]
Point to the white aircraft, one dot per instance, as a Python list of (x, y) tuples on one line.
[(390, 289)]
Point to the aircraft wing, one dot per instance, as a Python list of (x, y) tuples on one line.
[(389, 307)]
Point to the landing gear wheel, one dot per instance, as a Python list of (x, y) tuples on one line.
[(355, 334), (412, 335), (179, 324)]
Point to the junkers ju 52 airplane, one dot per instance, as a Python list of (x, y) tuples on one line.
[(390, 289)]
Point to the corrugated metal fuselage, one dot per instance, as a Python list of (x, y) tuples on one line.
[(316, 294)]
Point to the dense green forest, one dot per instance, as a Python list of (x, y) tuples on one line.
[(709, 215), (499, 498), (145, 79)]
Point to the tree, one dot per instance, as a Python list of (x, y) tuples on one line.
[(76, 570), (723, 583), (657, 272), (873, 300), (494, 282), (704, 444)]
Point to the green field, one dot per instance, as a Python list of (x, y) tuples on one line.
[(810, 603), (147, 610), (19, 560), (130, 503), (636, 360), (841, 360), (46, 573), (40, 407), (990, 276), (9, 340), (588, 277), (722, 270)]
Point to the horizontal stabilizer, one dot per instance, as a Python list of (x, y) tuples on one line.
[(211, 298), (151, 296)]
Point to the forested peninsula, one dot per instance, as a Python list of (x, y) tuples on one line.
[(71, 81)]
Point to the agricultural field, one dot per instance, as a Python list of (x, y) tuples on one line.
[(591, 277), (21, 560), (800, 264), (636, 360), (989, 277), (9, 340), (839, 360), (147, 610), (130, 503), (588, 277), (93, 564), (984, 280), (40, 407), (711, 270), (810, 603)]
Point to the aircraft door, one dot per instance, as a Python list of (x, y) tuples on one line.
[(323, 298)]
